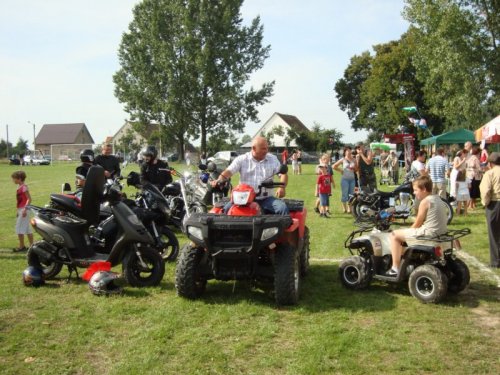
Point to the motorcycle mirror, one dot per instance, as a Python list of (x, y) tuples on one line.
[(283, 169), (66, 187)]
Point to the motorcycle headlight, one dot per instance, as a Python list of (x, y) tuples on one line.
[(195, 232), (268, 233), (240, 198)]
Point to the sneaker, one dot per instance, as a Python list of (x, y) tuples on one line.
[(19, 249), (327, 215), (392, 273), (316, 209)]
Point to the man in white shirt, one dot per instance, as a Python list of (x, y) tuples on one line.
[(437, 168), (255, 167), (418, 164)]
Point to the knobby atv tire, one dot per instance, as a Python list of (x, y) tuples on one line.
[(428, 284), (354, 273), (170, 250), (460, 277), (304, 255), (187, 280), (50, 269), (134, 272), (286, 275)]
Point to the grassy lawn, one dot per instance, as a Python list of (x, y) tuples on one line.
[(62, 328)]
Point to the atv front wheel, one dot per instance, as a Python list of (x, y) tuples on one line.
[(188, 282), (50, 269), (461, 276), (428, 284), (304, 255), (286, 275), (139, 274), (354, 273)]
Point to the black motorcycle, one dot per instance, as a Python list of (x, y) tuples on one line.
[(66, 239), (153, 210), (401, 199), (185, 196), (149, 205)]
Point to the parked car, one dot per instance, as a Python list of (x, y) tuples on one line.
[(224, 155), (36, 160)]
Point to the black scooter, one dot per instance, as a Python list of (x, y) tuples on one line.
[(67, 241)]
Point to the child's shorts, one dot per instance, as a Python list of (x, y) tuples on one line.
[(23, 223), (324, 200)]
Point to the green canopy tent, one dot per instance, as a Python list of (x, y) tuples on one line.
[(457, 136)]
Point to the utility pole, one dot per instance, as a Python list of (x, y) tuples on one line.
[(34, 144), (7, 127)]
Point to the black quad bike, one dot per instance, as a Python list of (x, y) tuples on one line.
[(245, 244), (66, 239), (430, 270)]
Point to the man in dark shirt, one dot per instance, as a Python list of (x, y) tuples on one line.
[(153, 170), (109, 162)]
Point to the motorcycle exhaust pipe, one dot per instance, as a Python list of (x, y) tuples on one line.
[(44, 255)]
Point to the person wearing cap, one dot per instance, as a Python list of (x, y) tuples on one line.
[(490, 197)]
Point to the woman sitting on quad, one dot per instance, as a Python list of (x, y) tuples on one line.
[(431, 221)]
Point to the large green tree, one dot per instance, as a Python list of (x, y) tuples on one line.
[(186, 64), (457, 58), (374, 89)]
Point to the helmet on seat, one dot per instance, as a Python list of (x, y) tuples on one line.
[(151, 152), (211, 166), (87, 156), (102, 283), (33, 276)]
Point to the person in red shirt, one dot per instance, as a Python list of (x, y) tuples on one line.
[(23, 220), (284, 157), (323, 190)]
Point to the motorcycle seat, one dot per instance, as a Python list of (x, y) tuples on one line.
[(70, 202), (383, 194)]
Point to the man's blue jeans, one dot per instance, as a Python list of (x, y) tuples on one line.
[(269, 205)]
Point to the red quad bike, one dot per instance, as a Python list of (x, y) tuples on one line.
[(246, 244)]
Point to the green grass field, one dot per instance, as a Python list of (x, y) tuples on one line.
[(62, 328)]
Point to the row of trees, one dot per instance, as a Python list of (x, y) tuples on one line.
[(7, 149), (447, 64)]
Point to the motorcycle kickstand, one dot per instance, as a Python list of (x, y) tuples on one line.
[(72, 269)]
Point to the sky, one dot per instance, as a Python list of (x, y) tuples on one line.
[(57, 59)]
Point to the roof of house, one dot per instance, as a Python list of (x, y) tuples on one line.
[(61, 133), (294, 122)]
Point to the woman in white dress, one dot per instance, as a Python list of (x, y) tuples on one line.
[(458, 165)]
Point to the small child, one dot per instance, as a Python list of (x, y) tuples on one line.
[(323, 190), (462, 189), (323, 160), (23, 220)]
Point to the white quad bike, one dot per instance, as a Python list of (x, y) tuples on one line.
[(429, 264)]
